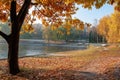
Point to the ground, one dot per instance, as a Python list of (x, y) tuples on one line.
[(95, 63)]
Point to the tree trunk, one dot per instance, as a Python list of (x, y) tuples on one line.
[(13, 47), (13, 38)]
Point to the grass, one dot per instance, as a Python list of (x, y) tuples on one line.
[(90, 64)]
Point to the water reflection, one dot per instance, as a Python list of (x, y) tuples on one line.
[(32, 49)]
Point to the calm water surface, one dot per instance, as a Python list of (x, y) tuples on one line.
[(38, 49)]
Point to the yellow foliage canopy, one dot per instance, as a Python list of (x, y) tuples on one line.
[(109, 27)]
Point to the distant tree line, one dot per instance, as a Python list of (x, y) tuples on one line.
[(60, 33), (95, 37)]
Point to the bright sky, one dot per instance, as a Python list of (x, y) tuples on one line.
[(90, 15)]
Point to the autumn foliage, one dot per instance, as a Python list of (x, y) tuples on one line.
[(51, 12), (109, 27)]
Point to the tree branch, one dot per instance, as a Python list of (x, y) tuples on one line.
[(22, 14), (42, 12), (13, 17), (6, 37), (13, 11), (34, 3)]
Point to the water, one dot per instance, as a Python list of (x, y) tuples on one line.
[(34, 48)]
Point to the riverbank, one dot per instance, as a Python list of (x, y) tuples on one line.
[(101, 63)]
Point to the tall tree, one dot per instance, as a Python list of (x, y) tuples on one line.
[(109, 27), (114, 27), (103, 26), (47, 10)]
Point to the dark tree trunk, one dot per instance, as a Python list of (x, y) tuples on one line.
[(13, 40), (13, 47)]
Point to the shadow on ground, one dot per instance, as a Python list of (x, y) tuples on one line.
[(41, 74), (44, 74)]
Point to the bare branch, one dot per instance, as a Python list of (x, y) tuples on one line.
[(6, 37), (34, 3)]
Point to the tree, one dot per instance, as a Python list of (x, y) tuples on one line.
[(48, 10), (103, 27), (114, 27), (109, 27)]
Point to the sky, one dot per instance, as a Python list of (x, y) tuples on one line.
[(90, 15)]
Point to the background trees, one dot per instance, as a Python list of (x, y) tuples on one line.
[(61, 34), (114, 27), (109, 27)]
